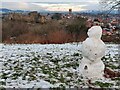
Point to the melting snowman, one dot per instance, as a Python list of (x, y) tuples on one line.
[(93, 49)]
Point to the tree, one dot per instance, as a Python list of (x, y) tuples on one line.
[(111, 4), (76, 28), (56, 16)]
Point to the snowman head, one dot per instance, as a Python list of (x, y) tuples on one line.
[(95, 32)]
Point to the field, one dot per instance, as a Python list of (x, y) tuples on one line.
[(50, 66)]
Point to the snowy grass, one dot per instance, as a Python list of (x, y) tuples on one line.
[(49, 66)]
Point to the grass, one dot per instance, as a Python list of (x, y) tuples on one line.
[(58, 69), (103, 85)]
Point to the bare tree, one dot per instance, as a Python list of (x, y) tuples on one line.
[(111, 5)]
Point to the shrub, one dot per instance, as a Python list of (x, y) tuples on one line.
[(54, 31), (58, 36), (77, 27), (13, 29), (56, 16)]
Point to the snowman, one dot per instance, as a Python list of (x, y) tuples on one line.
[(93, 49)]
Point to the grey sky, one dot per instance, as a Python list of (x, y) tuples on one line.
[(49, 0), (51, 5)]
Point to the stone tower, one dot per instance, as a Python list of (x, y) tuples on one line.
[(70, 11)]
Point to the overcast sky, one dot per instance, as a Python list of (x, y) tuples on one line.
[(51, 5)]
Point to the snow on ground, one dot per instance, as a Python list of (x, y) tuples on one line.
[(49, 65)]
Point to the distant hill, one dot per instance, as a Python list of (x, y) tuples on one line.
[(5, 10)]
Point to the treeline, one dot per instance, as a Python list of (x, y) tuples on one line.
[(54, 31)]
